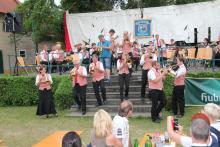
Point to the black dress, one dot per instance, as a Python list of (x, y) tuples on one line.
[(46, 103)]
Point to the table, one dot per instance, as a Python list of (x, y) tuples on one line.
[(53, 140), (143, 140)]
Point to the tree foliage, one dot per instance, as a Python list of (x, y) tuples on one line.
[(42, 19), (81, 6)]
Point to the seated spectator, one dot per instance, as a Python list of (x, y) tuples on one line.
[(199, 132), (71, 139), (213, 113), (101, 134)]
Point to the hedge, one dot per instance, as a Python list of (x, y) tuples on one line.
[(21, 91)]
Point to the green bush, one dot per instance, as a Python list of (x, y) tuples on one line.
[(64, 94)]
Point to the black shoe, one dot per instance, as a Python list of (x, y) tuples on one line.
[(84, 113), (126, 98), (97, 105), (179, 116), (159, 118), (156, 121), (104, 102)]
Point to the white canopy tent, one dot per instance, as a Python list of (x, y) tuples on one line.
[(176, 21)]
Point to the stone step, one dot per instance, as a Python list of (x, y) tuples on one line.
[(114, 108), (137, 101), (116, 95), (91, 114), (115, 83), (116, 88)]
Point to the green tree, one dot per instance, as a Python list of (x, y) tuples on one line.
[(81, 6), (43, 20)]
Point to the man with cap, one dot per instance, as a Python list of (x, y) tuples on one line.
[(97, 72), (199, 132), (78, 76)]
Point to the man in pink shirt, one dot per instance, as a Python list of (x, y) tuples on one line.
[(178, 89)]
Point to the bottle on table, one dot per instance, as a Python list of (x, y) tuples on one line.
[(148, 142), (135, 143)]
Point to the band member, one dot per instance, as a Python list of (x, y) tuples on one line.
[(46, 101), (126, 47), (97, 71), (105, 56), (178, 90), (60, 57), (78, 76), (136, 55), (155, 78), (124, 75), (44, 56), (53, 58), (163, 53), (146, 63)]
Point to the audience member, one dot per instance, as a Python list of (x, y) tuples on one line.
[(199, 132), (121, 125), (71, 139), (101, 134)]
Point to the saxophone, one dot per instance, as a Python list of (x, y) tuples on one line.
[(73, 73), (92, 69)]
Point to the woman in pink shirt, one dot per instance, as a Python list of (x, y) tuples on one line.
[(46, 101)]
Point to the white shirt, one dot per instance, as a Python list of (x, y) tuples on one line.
[(107, 38), (38, 79), (186, 141), (151, 75), (121, 129), (84, 71), (181, 71), (42, 56)]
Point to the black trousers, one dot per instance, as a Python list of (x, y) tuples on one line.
[(99, 85), (158, 102), (60, 66), (178, 100), (79, 94), (124, 80), (144, 82), (136, 62)]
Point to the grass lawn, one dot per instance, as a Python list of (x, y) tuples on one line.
[(20, 127)]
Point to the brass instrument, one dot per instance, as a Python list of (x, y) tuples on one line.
[(92, 69), (171, 69), (73, 73), (45, 79), (129, 61)]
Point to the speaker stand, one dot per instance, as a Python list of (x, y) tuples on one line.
[(16, 59)]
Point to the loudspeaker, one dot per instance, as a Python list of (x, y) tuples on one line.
[(13, 22), (196, 41), (209, 34)]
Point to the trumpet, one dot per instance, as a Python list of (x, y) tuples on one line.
[(129, 61), (171, 69)]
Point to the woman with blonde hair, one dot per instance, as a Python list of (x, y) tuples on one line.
[(101, 134), (213, 112)]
